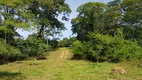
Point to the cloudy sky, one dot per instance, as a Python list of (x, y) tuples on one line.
[(73, 5)]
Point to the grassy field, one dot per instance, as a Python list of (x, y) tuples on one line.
[(58, 66)]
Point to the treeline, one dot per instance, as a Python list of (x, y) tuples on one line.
[(38, 16), (108, 32)]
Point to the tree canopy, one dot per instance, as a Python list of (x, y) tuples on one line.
[(90, 19)]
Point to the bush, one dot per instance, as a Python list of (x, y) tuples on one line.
[(107, 48), (32, 46), (53, 44), (66, 42), (77, 48), (81, 50), (35, 48), (9, 53)]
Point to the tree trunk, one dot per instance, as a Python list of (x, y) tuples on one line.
[(41, 32)]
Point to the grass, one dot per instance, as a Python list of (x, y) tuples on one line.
[(59, 67)]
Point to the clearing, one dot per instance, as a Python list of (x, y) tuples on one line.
[(58, 66)]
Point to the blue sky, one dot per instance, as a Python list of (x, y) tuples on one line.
[(73, 5)]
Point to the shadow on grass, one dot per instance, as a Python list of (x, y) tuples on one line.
[(9, 74), (5, 75)]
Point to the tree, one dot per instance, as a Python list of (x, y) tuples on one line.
[(41, 15), (132, 19), (90, 19), (46, 14), (129, 17), (67, 42), (108, 32), (113, 18), (14, 15)]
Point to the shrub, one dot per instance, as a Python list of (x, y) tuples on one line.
[(77, 48), (115, 49), (9, 53), (66, 42), (53, 44), (107, 48), (84, 50), (32, 47)]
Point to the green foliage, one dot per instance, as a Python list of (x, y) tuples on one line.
[(115, 49), (116, 29), (14, 16), (89, 19), (107, 48), (40, 15), (77, 49), (46, 15), (32, 46), (66, 42), (53, 44), (9, 53)]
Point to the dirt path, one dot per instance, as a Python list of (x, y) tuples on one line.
[(60, 54), (57, 56), (54, 60)]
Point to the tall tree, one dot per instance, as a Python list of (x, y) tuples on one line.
[(14, 15), (90, 19), (128, 14), (113, 17), (47, 13), (132, 18)]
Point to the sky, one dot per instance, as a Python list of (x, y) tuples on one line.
[(74, 4)]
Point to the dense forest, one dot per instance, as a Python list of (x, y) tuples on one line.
[(105, 32)]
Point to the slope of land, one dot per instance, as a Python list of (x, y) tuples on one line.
[(58, 66)]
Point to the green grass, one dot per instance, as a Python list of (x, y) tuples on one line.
[(59, 67)]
